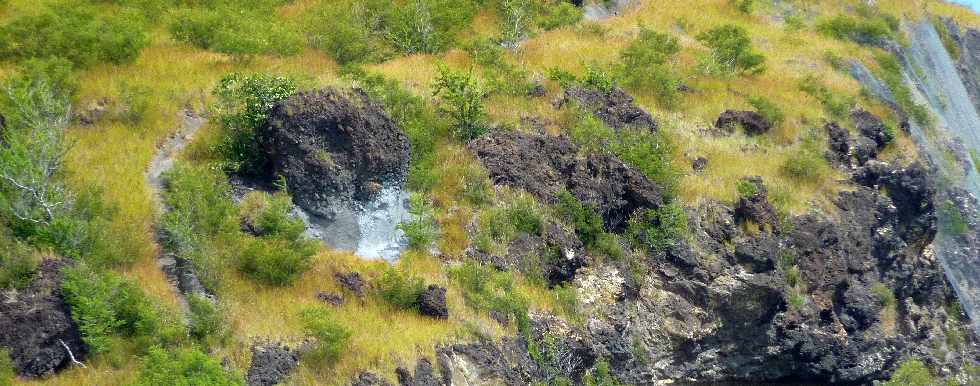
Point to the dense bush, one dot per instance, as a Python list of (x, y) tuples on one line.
[(236, 29), (76, 32), (330, 336), (486, 289), (808, 162), (421, 229), (105, 304), (268, 215), (276, 261), (207, 321), (427, 26), (645, 65), (55, 71), (400, 289), (461, 99), (244, 104), (657, 229), (769, 110), (345, 30), (732, 48), (861, 30), (556, 14), (911, 373), (184, 367)]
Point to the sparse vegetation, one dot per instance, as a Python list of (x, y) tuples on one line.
[(330, 337), (235, 29), (769, 110), (861, 30), (891, 74), (657, 229), (487, 289), (421, 229), (807, 163), (400, 289)]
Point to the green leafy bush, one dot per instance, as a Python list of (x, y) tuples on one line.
[(76, 32), (54, 71), (524, 214), (486, 289), (657, 229), (808, 162), (330, 336), (421, 229), (645, 65), (587, 222), (400, 289), (861, 30), (18, 264), (461, 99), (598, 79), (105, 304), (207, 321), (556, 14), (952, 220), (245, 102), (343, 29), (236, 29), (268, 215), (427, 26), (769, 110), (276, 261), (184, 367), (732, 48), (911, 373), (746, 189)]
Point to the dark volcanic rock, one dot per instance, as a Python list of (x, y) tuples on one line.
[(839, 144), (330, 298), (544, 165), (869, 125), (864, 149), (432, 302), (615, 107), (751, 122), (352, 282), (756, 207), (912, 191), (36, 323), (557, 250), (424, 375), (369, 379), (271, 364), (333, 147), (699, 164)]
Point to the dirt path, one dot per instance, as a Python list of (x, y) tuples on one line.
[(178, 274)]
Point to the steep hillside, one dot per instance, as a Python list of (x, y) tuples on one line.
[(470, 192)]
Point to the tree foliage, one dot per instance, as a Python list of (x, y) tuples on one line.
[(461, 99)]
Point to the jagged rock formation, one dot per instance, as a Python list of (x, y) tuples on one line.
[(615, 107), (751, 122), (968, 62), (271, 364), (545, 165), (432, 302), (333, 147), (36, 325)]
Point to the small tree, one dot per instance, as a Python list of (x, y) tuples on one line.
[(646, 65), (461, 99), (245, 101), (33, 152)]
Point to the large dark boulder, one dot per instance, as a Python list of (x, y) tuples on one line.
[(36, 325), (869, 125), (545, 165), (912, 190), (432, 302), (333, 147), (271, 364), (751, 122), (615, 107)]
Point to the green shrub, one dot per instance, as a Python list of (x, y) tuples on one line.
[(268, 215), (557, 14), (401, 290), (421, 229), (769, 110), (6, 368), (276, 261), (525, 214), (55, 71), (343, 29), (732, 48), (207, 322), (427, 26), (588, 223), (136, 102), (330, 336), (245, 102), (946, 36), (645, 65), (461, 99), (600, 375), (598, 79), (911, 373), (746, 189), (837, 105), (184, 367), (486, 289), (863, 30), (18, 264), (105, 304), (808, 162), (976, 160), (885, 295), (236, 30), (744, 6), (502, 76), (76, 32), (657, 229)]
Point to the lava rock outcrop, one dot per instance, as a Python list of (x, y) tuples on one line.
[(751, 122), (615, 107), (333, 147)]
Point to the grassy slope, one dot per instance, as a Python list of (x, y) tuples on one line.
[(114, 156)]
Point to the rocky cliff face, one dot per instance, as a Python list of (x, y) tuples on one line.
[(748, 296), (968, 63)]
